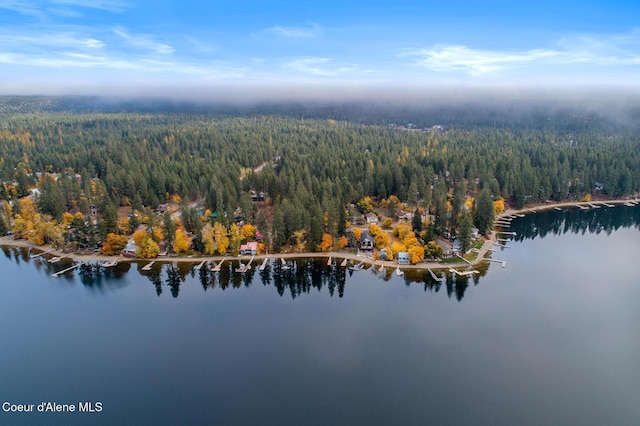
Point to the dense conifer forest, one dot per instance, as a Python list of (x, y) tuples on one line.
[(298, 167)]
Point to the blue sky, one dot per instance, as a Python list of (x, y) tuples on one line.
[(67, 46)]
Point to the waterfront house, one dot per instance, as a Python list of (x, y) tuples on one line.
[(249, 248)]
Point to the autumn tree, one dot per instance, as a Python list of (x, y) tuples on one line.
[(416, 254), (301, 242), (181, 242), (326, 244), (113, 244), (221, 238)]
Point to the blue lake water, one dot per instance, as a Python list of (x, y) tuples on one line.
[(550, 339)]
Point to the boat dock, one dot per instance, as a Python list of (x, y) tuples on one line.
[(503, 263), (506, 233), (57, 274), (148, 266), (463, 274), (399, 272), (56, 259), (218, 266), (595, 206), (245, 268), (35, 256), (608, 205), (264, 264), (581, 207), (435, 277), (200, 265), (344, 262), (329, 261)]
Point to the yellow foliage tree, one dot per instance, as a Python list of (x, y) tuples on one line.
[(342, 242), (234, 239), (247, 231), (67, 218), (326, 244), (374, 229), (113, 244), (221, 238), (158, 234), (586, 198), (410, 240), (147, 249), (398, 247), (27, 209), (381, 240), (21, 227), (301, 242), (498, 205), (207, 240), (181, 241), (469, 202), (416, 254), (402, 230), (139, 236), (357, 233), (387, 222)]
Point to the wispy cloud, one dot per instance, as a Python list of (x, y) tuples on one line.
[(144, 41), (311, 31), (23, 7), (588, 50), (317, 66), (26, 42), (108, 5)]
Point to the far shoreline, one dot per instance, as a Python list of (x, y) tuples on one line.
[(360, 257)]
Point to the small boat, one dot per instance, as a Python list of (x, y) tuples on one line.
[(399, 272), (109, 263), (55, 259)]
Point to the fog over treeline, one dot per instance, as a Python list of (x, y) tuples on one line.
[(543, 110)]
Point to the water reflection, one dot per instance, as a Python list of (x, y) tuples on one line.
[(300, 276), (576, 221)]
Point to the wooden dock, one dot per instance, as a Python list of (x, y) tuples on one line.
[(110, 263), (200, 265), (344, 262), (463, 274), (264, 264), (245, 268), (593, 206), (35, 256), (435, 277), (329, 261), (57, 274), (503, 263), (148, 266), (399, 272), (218, 266)]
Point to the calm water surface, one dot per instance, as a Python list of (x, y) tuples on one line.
[(550, 339)]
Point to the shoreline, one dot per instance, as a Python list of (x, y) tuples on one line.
[(482, 252)]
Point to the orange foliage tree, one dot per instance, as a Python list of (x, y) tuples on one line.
[(113, 244), (326, 244)]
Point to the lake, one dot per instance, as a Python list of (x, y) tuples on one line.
[(551, 339)]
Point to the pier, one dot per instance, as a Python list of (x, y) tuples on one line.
[(344, 262), (35, 256), (595, 206), (463, 274), (200, 265), (57, 274), (608, 205), (284, 263), (245, 268), (506, 233), (264, 264), (148, 266), (110, 263), (435, 277), (503, 263), (581, 207), (329, 261), (218, 266)]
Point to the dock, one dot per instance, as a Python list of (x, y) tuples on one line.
[(56, 259), (581, 207), (218, 266), (148, 266), (35, 256), (463, 274), (264, 264), (200, 265), (506, 233), (501, 245), (344, 262), (608, 205), (284, 263), (329, 261), (595, 206), (399, 272), (503, 263), (57, 274), (435, 277), (109, 263), (245, 268)]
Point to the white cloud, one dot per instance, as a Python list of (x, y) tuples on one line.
[(25, 42), (295, 32), (144, 41), (108, 5), (586, 50), (22, 7)]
